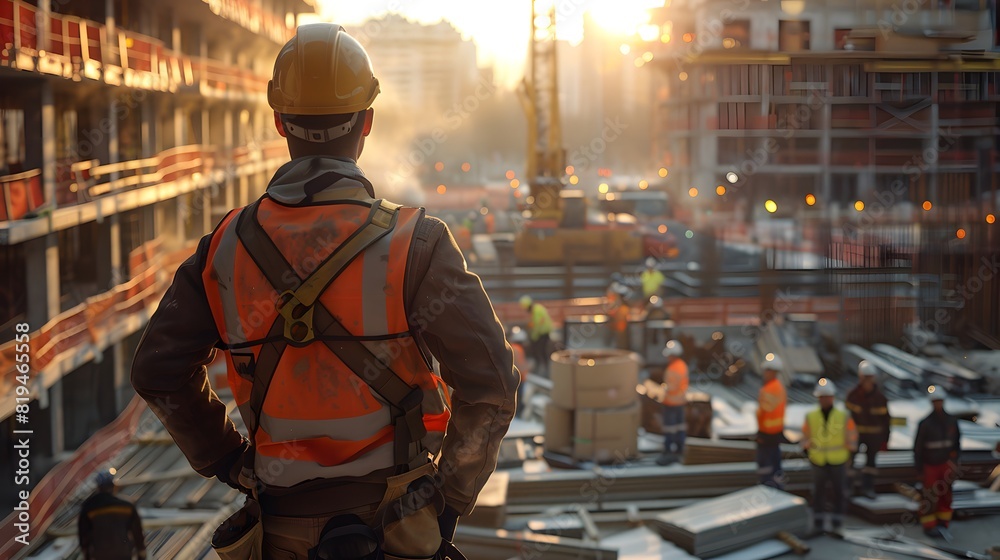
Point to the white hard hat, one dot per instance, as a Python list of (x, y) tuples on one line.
[(650, 262), (936, 393), (672, 348), (825, 388), (866, 368), (619, 288), (772, 362), (526, 301)]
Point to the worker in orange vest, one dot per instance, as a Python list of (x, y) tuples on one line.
[(675, 399), (489, 220), (330, 305), (771, 403), (619, 314)]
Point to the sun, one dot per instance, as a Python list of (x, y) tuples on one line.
[(622, 17)]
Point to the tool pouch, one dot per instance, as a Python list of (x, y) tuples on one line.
[(409, 514), (241, 537), (346, 537)]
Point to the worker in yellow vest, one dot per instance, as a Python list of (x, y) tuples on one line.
[(676, 377), (830, 437), (651, 279), (539, 331)]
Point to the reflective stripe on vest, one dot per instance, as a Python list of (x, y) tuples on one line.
[(319, 418), (939, 444), (828, 438)]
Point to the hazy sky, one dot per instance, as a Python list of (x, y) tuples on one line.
[(500, 29)]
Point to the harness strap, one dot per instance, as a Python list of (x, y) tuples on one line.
[(300, 317)]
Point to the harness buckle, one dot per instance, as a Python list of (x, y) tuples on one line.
[(298, 318)]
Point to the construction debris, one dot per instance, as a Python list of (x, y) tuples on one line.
[(734, 521)]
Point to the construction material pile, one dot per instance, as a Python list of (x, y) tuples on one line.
[(594, 411), (733, 521)]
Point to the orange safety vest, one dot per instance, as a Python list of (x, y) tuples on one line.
[(520, 360), (771, 408), (320, 414), (619, 322), (677, 383)]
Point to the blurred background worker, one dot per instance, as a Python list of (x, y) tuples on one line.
[(652, 279), (540, 333), (870, 410), (935, 455), (771, 403), (109, 527), (675, 399), (618, 313), (830, 437)]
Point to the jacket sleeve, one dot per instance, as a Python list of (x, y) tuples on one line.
[(806, 435), (466, 337), (170, 370)]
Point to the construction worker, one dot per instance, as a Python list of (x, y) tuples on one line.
[(870, 410), (655, 310), (771, 403), (830, 437), (675, 399), (618, 313), (935, 455), (109, 527), (343, 300), (539, 331), (652, 279), (489, 219)]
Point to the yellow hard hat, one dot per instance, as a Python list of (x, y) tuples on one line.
[(322, 71)]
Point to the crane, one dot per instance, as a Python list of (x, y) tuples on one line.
[(539, 95)]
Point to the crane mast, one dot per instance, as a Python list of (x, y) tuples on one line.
[(539, 94)]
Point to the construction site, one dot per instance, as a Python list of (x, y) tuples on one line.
[(793, 193)]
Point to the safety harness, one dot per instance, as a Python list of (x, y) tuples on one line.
[(303, 320)]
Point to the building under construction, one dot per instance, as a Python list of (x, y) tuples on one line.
[(127, 130), (850, 120)]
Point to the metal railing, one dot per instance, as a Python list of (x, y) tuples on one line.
[(76, 48)]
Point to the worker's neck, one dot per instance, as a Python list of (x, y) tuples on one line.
[(340, 154)]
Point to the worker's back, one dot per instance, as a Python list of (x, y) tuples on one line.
[(771, 408), (308, 424), (107, 527)]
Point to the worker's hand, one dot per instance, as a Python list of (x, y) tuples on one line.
[(228, 469)]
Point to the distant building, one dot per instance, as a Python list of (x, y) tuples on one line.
[(128, 129), (420, 67)]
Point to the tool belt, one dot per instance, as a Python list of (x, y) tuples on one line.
[(241, 536)]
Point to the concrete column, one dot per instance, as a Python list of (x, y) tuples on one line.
[(244, 190), (229, 135), (175, 32), (825, 143), (180, 138), (148, 127), (123, 387), (109, 16), (109, 253), (206, 214), (183, 215), (40, 129), (113, 154), (42, 271), (42, 25)]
